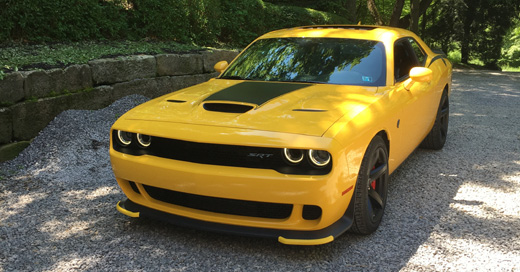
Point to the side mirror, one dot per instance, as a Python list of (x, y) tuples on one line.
[(221, 66), (418, 74), (421, 74)]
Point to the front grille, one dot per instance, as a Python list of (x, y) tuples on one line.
[(221, 205), (220, 154)]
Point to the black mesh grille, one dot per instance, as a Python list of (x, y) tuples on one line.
[(221, 205), (311, 212)]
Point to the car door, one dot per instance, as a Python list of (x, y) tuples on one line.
[(416, 116)]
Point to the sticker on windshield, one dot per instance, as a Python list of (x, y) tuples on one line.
[(367, 79)]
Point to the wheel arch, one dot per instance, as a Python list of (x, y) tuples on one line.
[(384, 135)]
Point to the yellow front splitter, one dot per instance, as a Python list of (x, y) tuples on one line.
[(124, 211), (306, 242)]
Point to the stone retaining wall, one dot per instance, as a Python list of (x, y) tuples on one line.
[(30, 100)]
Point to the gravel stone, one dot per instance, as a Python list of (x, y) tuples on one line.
[(451, 210)]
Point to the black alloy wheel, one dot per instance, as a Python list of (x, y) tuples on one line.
[(371, 188)]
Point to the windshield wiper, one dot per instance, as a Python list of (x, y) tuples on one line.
[(301, 81)]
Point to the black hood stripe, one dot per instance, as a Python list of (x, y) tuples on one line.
[(255, 92)]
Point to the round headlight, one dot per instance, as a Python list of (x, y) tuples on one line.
[(125, 138), (293, 155), (144, 140), (319, 158)]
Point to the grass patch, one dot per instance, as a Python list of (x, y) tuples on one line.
[(16, 56), (510, 69)]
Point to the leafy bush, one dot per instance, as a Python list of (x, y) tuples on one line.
[(51, 20), (162, 19), (245, 20), (202, 22), (242, 21), (511, 47)]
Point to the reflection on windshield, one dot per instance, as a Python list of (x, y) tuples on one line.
[(320, 60)]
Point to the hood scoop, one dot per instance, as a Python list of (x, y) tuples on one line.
[(227, 107)]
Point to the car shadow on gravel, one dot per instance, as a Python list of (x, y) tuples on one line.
[(445, 208)]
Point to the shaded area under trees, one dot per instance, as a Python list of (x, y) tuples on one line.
[(484, 30)]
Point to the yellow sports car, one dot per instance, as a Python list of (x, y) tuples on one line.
[(294, 140)]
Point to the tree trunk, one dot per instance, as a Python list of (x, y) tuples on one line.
[(375, 13), (351, 9), (417, 9), (469, 16), (396, 13), (415, 13)]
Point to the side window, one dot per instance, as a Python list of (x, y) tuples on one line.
[(419, 52), (404, 59)]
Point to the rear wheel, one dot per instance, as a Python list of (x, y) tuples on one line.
[(437, 137), (371, 188)]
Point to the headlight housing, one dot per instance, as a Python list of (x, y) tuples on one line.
[(319, 158), (125, 138), (293, 156), (129, 139), (144, 140)]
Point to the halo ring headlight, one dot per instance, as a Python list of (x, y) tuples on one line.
[(125, 138), (319, 158), (293, 155), (144, 140)]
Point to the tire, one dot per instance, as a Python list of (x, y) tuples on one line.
[(371, 189), (437, 137)]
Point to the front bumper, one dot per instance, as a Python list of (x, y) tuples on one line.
[(286, 206), (289, 237)]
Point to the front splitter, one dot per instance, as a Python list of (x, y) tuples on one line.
[(289, 237)]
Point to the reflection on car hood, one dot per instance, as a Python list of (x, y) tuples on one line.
[(301, 108)]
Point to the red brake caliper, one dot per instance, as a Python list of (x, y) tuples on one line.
[(373, 183)]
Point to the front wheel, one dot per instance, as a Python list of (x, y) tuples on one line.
[(371, 188)]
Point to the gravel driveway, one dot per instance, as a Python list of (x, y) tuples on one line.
[(453, 210)]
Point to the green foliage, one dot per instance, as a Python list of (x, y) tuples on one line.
[(165, 19), (243, 21), (50, 20), (511, 48), (59, 54), (203, 22), (257, 17), (337, 7), (454, 56), (475, 27)]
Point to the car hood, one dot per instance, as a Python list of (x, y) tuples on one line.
[(301, 108)]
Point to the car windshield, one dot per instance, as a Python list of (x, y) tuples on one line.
[(316, 60)]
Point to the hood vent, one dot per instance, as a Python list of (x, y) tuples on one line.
[(176, 101), (227, 107), (310, 110)]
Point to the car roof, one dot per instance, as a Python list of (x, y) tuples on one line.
[(366, 32)]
